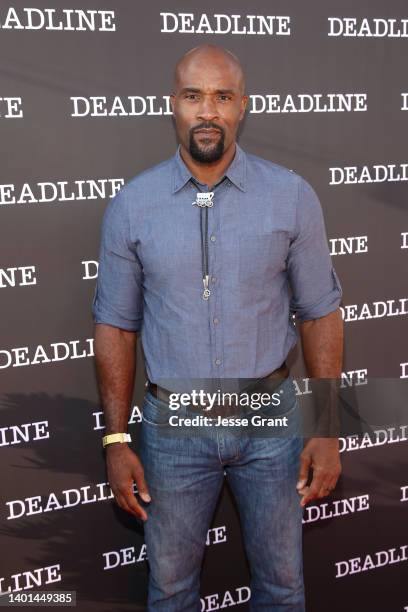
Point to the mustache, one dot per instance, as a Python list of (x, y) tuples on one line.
[(207, 125)]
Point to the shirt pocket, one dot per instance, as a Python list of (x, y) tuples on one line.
[(261, 257)]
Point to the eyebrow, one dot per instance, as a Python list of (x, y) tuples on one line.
[(196, 90)]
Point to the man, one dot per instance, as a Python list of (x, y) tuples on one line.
[(215, 305)]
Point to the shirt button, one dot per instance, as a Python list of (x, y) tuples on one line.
[(217, 361), (216, 321), (212, 238), (213, 279)]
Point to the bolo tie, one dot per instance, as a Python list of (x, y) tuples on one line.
[(204, 200)]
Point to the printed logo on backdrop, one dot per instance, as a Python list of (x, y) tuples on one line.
[(335, 508), (41, 354), (351, 378), (380, 437), (57, 19), (10, 108), (24, 432), (68, 498), (374, 27), (60, 191), (189, 23), (375, 310), (135, 417), (131, 555), (348, 245), (90, 269), (17, 276), (226, 599), (372, 561), (30, 579), (378, 173)]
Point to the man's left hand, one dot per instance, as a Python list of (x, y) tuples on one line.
[(322, 455)]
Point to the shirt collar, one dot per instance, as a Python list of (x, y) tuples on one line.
[(236, 171)]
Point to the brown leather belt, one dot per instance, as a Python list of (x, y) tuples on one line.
[(266, 384)]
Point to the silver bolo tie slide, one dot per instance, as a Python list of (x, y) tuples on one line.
[(205, 201)]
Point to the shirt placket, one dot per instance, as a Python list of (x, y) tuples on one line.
[(214, 268), (214, 304)]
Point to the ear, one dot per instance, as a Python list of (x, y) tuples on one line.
[(172, 100), (244, 103)]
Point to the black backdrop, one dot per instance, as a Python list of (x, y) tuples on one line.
[(83, 109)]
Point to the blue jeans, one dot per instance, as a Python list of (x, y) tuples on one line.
[(184, 471)]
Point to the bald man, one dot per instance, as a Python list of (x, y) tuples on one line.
[(210, 255)]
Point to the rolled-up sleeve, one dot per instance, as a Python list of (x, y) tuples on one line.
[(316, 289), (118, 297)]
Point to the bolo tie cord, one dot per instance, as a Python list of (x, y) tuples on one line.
[(204, 251)]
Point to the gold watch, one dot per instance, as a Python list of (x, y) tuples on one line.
[(117, 437)]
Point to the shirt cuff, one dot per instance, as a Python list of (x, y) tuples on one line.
[(115, 321), (327, 304)]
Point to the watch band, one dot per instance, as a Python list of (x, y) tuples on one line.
[(116, 437)]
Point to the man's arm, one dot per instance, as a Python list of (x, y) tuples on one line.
[(316, 295), (322, 346), (115, 358), (117, 310)]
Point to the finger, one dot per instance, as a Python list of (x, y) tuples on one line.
[(133, 505), (303, 492), (303, 471), (121, 502), (142, 486), (128, 502), (324, 492), (328, 486), (315, 486)]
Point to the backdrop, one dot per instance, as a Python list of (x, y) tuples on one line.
[(84, 107)]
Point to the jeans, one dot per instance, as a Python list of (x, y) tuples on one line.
[(184, 471)]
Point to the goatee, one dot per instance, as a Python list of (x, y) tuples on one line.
[(206, 151)]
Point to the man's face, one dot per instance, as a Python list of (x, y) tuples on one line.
[(208, 104)]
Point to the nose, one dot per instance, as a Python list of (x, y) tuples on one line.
[(207, 110)]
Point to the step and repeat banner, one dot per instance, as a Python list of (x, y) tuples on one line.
[(84, 107)]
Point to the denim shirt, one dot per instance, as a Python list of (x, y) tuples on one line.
[(268, 263)]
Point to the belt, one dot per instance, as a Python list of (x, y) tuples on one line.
[(266, 384)]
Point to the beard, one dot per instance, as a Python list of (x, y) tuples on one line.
[(208, 150)]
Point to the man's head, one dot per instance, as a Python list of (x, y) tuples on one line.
[(208, 101)]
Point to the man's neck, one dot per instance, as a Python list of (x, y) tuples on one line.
[(208, 174)]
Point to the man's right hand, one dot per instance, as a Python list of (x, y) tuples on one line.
[(124, 468)]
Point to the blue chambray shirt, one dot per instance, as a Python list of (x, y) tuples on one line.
[(268, 259)]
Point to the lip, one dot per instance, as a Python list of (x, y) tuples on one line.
[(207, 131)]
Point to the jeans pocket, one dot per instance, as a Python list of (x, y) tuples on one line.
[(155, 411), (281, 410), (284, 401)]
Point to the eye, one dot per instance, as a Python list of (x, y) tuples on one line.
[(191, 96), (224, 97)]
